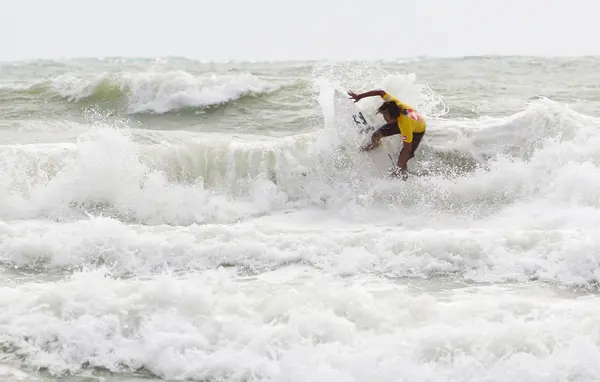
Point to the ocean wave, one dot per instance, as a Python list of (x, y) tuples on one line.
[(197, 177), (476, 167), (151, 92), (180, 178)]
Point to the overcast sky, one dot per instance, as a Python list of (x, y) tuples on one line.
[(299, 29)]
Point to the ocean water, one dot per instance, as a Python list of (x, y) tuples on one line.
[(170, 219)]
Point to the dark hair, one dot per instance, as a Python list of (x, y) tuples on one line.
[(392, 108)]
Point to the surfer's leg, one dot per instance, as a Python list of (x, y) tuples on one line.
[(415, 143)]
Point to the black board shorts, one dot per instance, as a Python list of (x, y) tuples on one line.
[(393, 129), (389, 129)]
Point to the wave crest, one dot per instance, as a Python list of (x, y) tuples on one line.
[(152, 92)]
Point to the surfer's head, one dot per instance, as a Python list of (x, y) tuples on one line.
[(390, 111)]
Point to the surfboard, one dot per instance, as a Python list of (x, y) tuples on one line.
[(355, 129)]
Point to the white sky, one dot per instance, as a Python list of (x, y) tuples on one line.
[(300, 29)]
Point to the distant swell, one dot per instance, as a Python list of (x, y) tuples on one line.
[(150, 92)]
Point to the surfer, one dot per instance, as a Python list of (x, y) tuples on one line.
[(400, 119)]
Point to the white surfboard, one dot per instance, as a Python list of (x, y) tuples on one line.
[(355, 130)]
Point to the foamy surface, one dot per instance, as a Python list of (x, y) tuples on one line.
[(185, 220)]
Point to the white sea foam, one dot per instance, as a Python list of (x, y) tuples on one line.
[(300, 326), (171, 91), (386, 246)]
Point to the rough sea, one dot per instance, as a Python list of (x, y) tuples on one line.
[(172, 219)]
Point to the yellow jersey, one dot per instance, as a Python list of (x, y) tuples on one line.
[(408, 124)]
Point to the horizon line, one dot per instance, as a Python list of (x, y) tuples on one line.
[(293, 60)]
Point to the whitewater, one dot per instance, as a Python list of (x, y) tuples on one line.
[(171, 219)]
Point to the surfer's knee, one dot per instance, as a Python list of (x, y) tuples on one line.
[(389, 129)]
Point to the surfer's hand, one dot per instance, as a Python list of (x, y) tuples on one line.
[(354, 96)]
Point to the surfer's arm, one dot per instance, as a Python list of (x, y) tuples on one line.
[(371, 93)]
